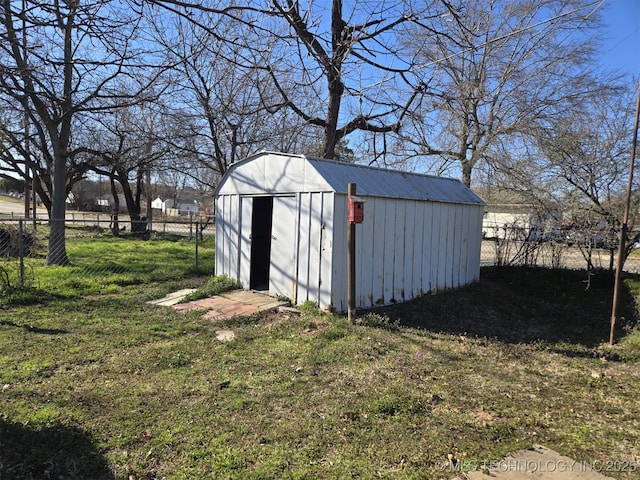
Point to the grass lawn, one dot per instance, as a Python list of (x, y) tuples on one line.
[(95, 383)]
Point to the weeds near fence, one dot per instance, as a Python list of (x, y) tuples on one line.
[(512, 246)]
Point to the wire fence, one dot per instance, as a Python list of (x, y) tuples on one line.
[(575, 250), (25, 244), (97, 244)]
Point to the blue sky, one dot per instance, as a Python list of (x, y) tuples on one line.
[(621, 50)]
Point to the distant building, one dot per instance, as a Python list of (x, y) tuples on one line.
[(171, 208), (512, 214), (162, 205)]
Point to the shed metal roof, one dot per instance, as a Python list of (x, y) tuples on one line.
[(380, 182), (371, 181)]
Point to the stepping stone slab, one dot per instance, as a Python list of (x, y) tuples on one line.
[(173, 298), (225, 335)]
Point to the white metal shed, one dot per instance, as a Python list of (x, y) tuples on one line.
[(281, 225)]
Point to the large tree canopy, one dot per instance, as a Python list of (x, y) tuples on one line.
[(61, 63), (340, 70)]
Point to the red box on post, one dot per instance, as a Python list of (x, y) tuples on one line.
[(356, 210)]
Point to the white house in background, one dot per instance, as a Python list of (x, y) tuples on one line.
[(169, 207), (162, 205), (281, 225), (512, 215), (106, 201), (188, 208)]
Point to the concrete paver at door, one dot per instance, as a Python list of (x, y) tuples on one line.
[(227, 305)]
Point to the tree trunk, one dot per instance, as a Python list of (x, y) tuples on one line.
[(334, 81), (57, 251), (466, 172), (115, 226)]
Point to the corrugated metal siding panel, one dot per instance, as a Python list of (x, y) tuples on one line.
[(313, 246), (303, 248), (454, 245), (314, 232), (339, 257), (398, 252), (233, 238), (219, 226), (418, 252), (246, 211), (409, 251), (405, 249), (227, 236), (326, 249), (389, 250), (377, 258), (442, 242), (366, 242), (464, 245), (475, 244), (426, 212)]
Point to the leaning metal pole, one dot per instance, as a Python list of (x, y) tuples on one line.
[(625, 221)]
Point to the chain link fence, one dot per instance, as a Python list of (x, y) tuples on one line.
[(26, 242), (569, 250)]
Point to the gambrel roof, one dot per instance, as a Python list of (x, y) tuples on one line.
[(277, 173)]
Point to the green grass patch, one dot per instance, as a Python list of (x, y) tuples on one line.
[(102, 264), (103, 385)]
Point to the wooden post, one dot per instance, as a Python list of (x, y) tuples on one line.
[(351, 260)]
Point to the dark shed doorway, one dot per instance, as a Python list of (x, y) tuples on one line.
[(261, 221)]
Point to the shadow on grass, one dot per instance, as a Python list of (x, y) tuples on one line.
[(32, 329), (561, 309), (59, 451), (27, 295)]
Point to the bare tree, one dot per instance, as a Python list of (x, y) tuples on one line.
[(502, 66), (219, 113), (126, 147), (583, 157), (26, 155), (338, 70), (59, 62), (350, 62)]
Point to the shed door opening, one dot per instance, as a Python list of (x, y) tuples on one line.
[(261, 219)]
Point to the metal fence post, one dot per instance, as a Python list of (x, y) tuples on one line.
[(21, 250), (197, 246)]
